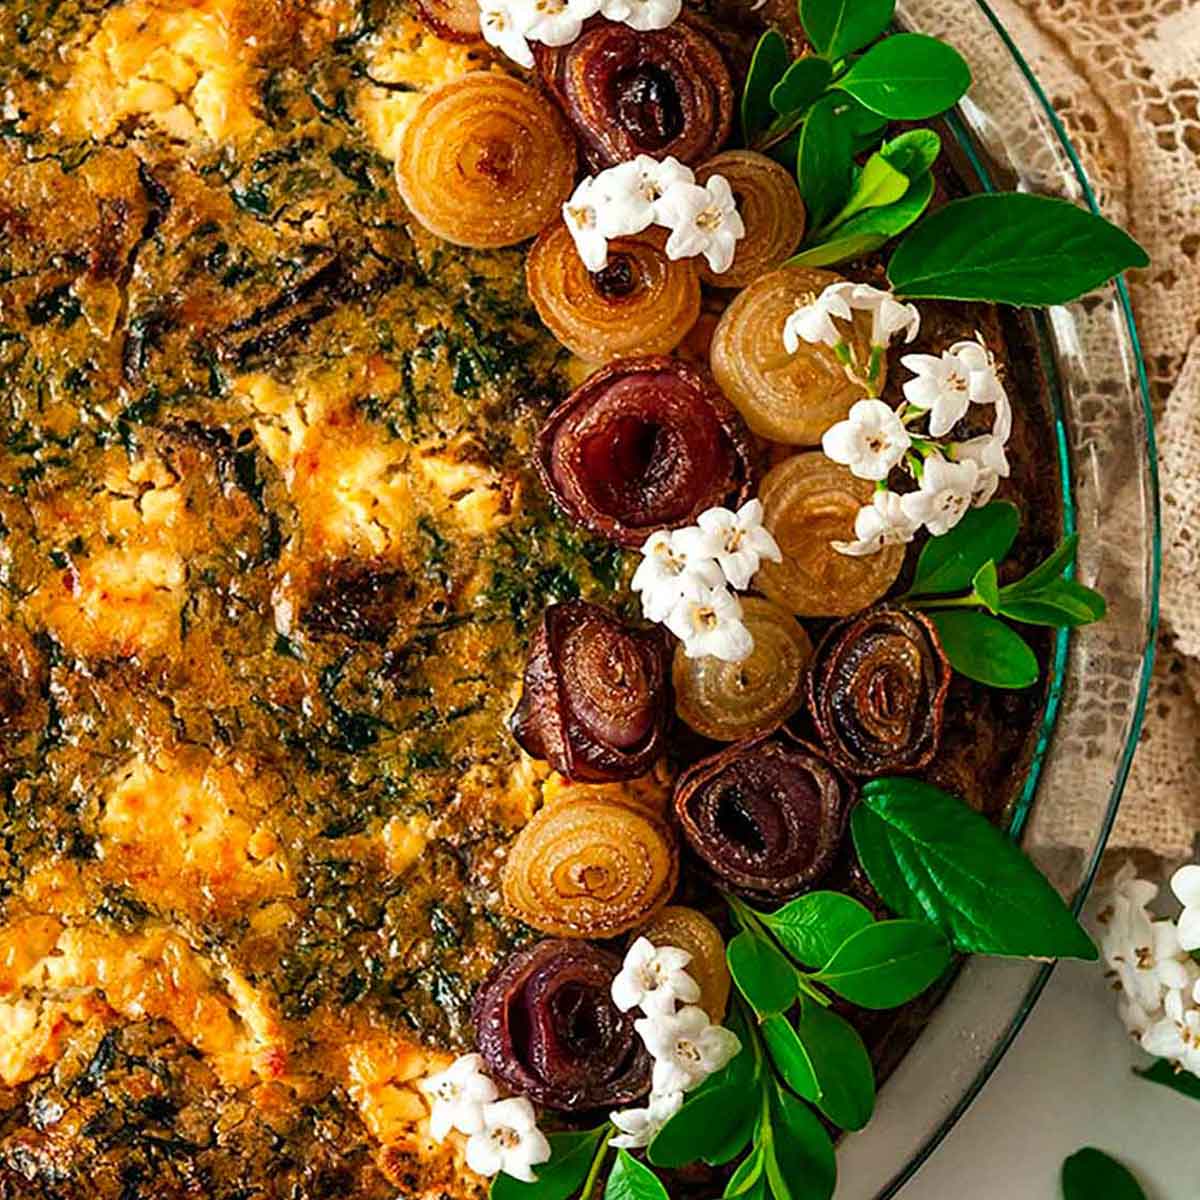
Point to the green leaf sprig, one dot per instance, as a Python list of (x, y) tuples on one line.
[(1164, 1072), (1091, 1174), (957, 583)]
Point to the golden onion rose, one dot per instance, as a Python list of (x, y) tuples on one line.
[(590, 868), (454, 20), (809, 502), (792, 398), (692, 931), (640, 303), (771, 208), (485, 161), (730, 701)]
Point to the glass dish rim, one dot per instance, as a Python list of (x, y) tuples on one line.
[(1024, 805)]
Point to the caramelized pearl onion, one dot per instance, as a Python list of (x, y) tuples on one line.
[(640, 303), (766, 817), (590, 869), (644, 444), (692, 931), (876, 692), (660, 92), (771, 209), (546, 1026), (731, 701), (809, 502), (596, 701), (792, 398), (485, 161), (454, 20)]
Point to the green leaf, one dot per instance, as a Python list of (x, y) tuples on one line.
[(986, 585), (785, 153), (840, 1064), (798, 1155), (801, 84), (913, 152), (813, 926), (741, 1070), (838, 27), (984, 649), (571, 1157), (948, 563), (932, 857), (767, 68), (790, 1057), (824, 159), (887, 964), (762, 974), (1166, 1073), (714, 1125), (1092, 1175), (1012, 248), (1048, 570), (749, 1175), (631, 1180), (908, 77), (877, 185), (1062, 602)]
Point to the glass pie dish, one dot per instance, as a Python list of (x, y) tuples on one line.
[(1010, 137)]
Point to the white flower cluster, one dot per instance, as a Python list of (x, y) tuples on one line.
[(502, 1135), (633, 195), (686, 576), (510, 25), (685, 1045), (875, 439), (1151, 962)]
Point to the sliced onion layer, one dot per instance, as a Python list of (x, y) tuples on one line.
[(766, 817), (689, 930), (660, 92), (771, 208), (485, 161), (792, 398), (454, 20), (590, 869), (640, 303), (596, 701), (809, 502), (731, 701), (876, 692), (546, 1026), (644, 444)]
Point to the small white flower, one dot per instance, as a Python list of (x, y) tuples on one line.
[(708, 621), (703, 220), (653, 978), (889, 316), (505, 25), (459, 1094), (741, 542), (871, 441), (627, 195), (509, 1141), (643, 15), (812, 321), (947, 490), (881, 523), (671, 562), (1185, 883), (639, 1126), (559, 22), (581, 214), (1176, 1038), (686, 1047), (947, 385), (988, 454)]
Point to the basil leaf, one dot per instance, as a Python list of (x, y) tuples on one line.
[(1012, 248), (908, 77), (571, 1157), (798, 1155), (801, 84), (1166, 1073), (913, 152), (840, 1064), (837, 27), (986, 650), (749, 1174), (1092, 1175), (715, 1125), (931, 856), (876, 185), (986, 586), (948, 563), (1050, 569), (887, 964), (812, 927), (1062, 602), (630, 1180), (767, 67), (823, 159), (866, 127), (790, 1057), (762, 974)]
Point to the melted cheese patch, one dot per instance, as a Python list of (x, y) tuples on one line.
[(475, 495), (34, 1034), (180, 67)]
